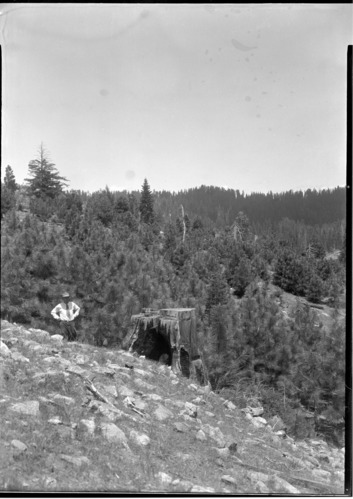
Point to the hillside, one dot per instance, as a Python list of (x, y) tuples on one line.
[(76, 417)]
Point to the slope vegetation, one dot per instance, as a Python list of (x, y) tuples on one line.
[(80, 418)]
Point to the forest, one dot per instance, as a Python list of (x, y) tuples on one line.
[(233, 257)]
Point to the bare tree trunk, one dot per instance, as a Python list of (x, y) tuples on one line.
[(184, 226)]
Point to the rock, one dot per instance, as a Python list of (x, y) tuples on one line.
[(57, 338), (182, 456), (193, 387), (257, 475), (62, 398), (175, 403), (4, 350), (50, 483), (248, 416), (113, 434), (164, 478), (124, 391), (280, 433), (181, 427), (339, 475), (18, 445), (228, 479), (256, 411), (224, 452), (144, 374), (258, 423), (75, 461), (210, 414), (280, 485), (201, 436), (39, 334), (313, 460), (30, 408), (153, 396), (140, 404), (142, 384), (229, 405), (56, 420), (87, 426), (182, 485), (106, 410), (18, 357), (81, 359), (162, 413), (276, 423), (65, 432), (214, 433), (200, 489), (191, 409), (322, 474), (261, 487), (140, 438)]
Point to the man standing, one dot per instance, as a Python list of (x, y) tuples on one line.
[(66, 312)]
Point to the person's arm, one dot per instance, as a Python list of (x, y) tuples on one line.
[(56, 312), (76, 310)]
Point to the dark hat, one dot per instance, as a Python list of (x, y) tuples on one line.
[(65, 294)]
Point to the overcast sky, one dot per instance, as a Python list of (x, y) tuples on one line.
[(238, 96)]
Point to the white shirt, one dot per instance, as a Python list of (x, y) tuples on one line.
[(66, 313)]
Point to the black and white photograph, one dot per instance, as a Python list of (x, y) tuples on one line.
[(175, 238)]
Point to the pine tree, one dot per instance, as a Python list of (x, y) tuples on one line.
[(9, 180), (146, 204), (8, 188), (46, 181), (218, 293)]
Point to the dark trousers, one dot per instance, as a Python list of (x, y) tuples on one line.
[(68, 330)]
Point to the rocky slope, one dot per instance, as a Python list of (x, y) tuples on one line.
[(79, 418)]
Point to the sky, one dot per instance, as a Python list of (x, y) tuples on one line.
[(248, 97)]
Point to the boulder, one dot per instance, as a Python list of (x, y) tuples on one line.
[(214, 433), (124, 391), (199, 489), (4, 350), (143, 384), (181, 427), (256, 411), (113, 434), (259, 422), (201, 436), (140, 438), (261, 488), (228, 479), (162, 413), (152, 396), (276, 423), (57, 338), (224, 452), (229, 405), (31, 408), (75, 461), (64, 399), (279, 485), (18, 357), (18, 445), (87, 426), (164, 478), (39, 334), (322, 474)]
